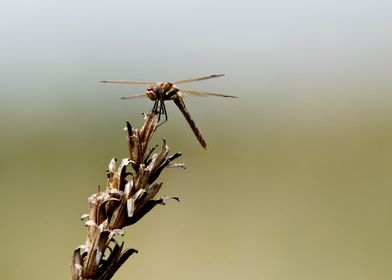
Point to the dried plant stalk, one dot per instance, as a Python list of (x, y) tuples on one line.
[(127, 198)]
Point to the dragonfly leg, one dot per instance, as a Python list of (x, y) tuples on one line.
[(154, 109), (162, 111), (159, 111)]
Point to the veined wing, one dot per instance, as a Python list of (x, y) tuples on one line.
[(198, 79), (128, 82), (201, 92), (133, 96)]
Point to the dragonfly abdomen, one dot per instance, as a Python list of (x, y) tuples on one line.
[(177, 99)]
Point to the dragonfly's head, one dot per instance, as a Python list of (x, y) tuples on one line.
[(154, 91)]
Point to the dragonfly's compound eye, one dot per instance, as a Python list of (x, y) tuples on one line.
[(151, 94), (154, 87)]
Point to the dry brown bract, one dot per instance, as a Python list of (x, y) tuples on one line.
[(123, 203)]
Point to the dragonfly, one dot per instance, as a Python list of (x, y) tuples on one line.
[(159, 92)]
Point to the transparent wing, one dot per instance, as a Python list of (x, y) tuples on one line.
[(206, 93), (198, 79), (128, 82), (134, 96)]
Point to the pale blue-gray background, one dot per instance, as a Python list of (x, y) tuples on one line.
[(297, 180)]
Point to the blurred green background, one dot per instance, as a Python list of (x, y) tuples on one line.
[(297, 182)]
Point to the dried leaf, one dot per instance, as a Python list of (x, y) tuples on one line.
[(124, 202), (130, 206), (112, 165), (177, 165), (84, 216), (128, 188), (91, 223)]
